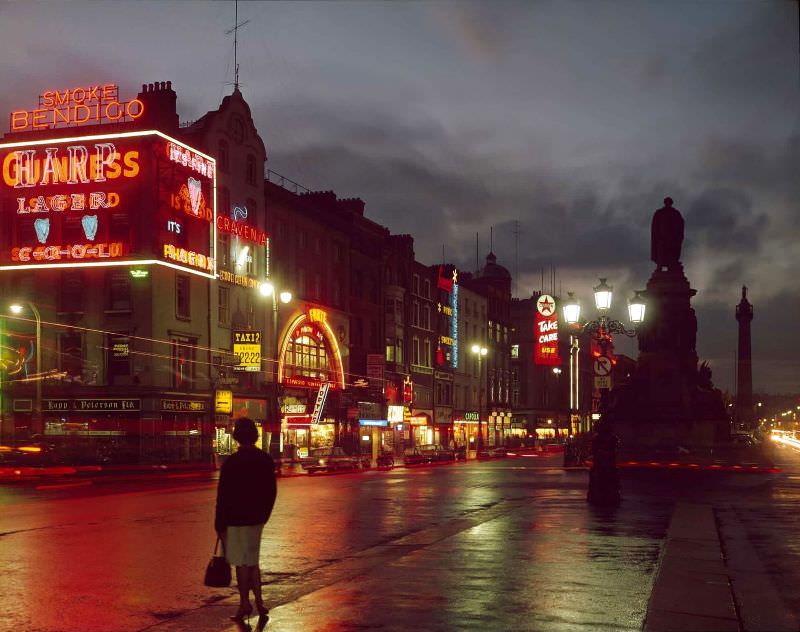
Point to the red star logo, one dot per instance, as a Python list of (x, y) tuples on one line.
[(546, 306)]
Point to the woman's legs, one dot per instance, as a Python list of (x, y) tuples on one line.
[(243, 584), (255, 586)]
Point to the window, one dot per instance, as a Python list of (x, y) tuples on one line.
[(427, 288), (390, 350), (415, 350), (251, 170), (427, 359), (182, 305), (390, 307), (317, 286), (224, 305), (309, 357), (222, 156), (250, 261), (399, 352), (118, 356), (515, 351), (251, 312), (120, 228), (415, 284), (70, 298), (337, 252), (224, 201), (426, 320), (301, 281), (224, 254), (71, 353), (183, 355), (415, 314), (119, 291)]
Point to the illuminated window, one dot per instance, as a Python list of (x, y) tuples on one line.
[(224, 305), (183, 365), (399, 351), (308, 355), (515, 351), (390, 350), (182, 305), (119, 291), (251, 170), (118, 358)]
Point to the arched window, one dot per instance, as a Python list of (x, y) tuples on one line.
[(307, 355), (222, 155)]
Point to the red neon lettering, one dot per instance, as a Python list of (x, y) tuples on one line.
[(19, 120)]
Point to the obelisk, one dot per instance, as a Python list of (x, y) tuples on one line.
[(744, 364)]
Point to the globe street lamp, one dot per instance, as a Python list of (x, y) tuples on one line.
[(603, 477), (479, 352), (267, 288), (17, 309)]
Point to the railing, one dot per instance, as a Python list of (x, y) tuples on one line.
[(284, 182)]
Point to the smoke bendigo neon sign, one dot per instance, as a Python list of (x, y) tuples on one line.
[(79, 201)]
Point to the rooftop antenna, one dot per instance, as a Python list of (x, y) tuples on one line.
[(235, 30), (477, 256), (516, 257), (491, 238), (442, 254)]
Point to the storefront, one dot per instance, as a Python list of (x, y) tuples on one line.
[(108, 430)]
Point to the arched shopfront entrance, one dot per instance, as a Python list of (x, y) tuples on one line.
[(309, 357)]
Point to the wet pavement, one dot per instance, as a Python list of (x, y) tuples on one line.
[(499, 545)]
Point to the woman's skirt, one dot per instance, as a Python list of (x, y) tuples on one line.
[(243, 544)]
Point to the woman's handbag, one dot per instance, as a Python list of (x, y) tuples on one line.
[(218, 571)]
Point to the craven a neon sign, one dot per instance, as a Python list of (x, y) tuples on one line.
[(89, 105)]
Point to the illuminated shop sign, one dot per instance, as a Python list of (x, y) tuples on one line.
[(447, 349), (94, 405), (78, 202), (545, 349), (223, 402), (238, 279), (183, 405), (395, 413), (383, 423), (247, 346), (90, 105)]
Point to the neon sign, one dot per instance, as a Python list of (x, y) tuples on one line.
[(76, 202), (321, 330), (545, 350), (448, 283), (90, 105), (75, 164), (241, 230), (70, 252)]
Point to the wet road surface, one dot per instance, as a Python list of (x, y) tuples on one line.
[(508, 544)]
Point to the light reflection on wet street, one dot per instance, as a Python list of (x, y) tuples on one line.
[(493, 545)]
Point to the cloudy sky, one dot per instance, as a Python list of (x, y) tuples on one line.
[(573, 119)]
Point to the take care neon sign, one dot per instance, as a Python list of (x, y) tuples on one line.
[(84, 105)]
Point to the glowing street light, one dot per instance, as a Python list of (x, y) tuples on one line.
[(17, 309), (602, 296), (479, 352)]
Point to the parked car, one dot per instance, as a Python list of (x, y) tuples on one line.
[(742, 439), (415, 456), (385, 459), (438, 453), (329, 460)]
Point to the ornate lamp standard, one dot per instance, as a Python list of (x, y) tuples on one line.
[(479, 351), (267, 288), (603, 478), (17, 309)]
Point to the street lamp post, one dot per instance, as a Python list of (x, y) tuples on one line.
[(17, 309), (479, 351), (268, 289), (603, 477)]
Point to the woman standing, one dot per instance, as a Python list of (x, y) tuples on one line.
[(245, 497)]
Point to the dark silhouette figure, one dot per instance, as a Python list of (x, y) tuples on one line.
[(666, 236), (245, 497)]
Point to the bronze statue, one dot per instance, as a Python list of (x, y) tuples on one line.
[(666, 236)]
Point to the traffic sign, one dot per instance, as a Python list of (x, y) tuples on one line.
[(602, 366), (602, 381)]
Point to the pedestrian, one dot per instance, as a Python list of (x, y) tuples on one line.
[(245, 497)]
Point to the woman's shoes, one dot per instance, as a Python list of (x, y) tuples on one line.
[(242, 612)]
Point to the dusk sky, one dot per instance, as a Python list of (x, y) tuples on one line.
[(575, 119)]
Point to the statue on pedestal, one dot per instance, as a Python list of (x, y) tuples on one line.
[(666, 236)]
